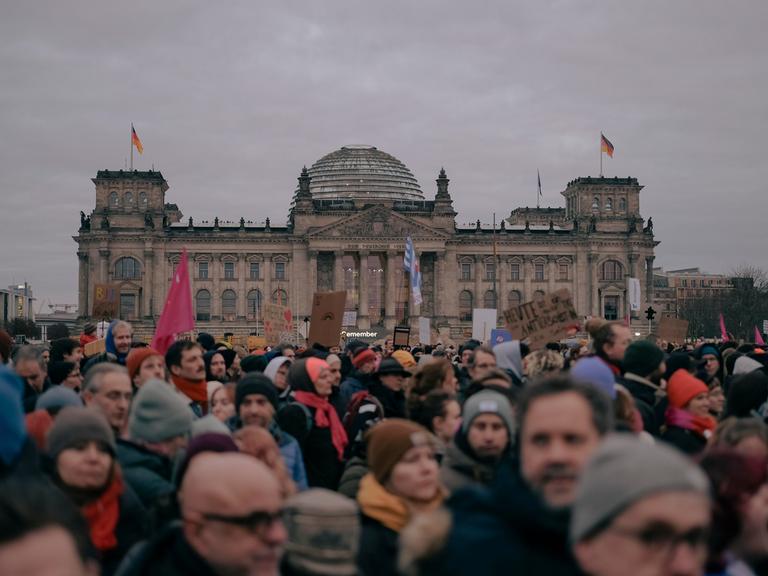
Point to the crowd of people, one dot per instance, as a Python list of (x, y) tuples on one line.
[(604, 456)]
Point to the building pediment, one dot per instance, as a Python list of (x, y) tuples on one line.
[(377, 222)]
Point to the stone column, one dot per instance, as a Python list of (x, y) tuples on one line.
[(268, 278), (649, 279), (338, 270), (218, 272), (632, 265), (363, 316), (391, 291), (438, 285), (82, 285), (527, 278), (450, 290), (242, 270), (551, 273), (312, 275), (149, 269), (594, 294), (478, 271), (104, 265), (502, 273)]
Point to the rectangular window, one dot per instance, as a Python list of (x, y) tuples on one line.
[(229, 270), (280, 270), (538, 272), (254, 275), (466, 271), (563, 271), (127, 306), (202, 270), (515, 271), (490, 271)]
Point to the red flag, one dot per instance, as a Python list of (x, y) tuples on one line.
[(759, 338), (723, 331), (177, 313)]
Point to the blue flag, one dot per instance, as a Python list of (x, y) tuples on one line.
[(411, 264)]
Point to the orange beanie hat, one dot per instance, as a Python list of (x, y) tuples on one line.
[(683, 387)]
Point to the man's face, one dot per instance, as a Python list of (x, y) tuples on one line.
[(46, 355), (622, 338), (74, 380), (336, 372), (289, 353), (388, 347), (218, 366), (31, 372), (663, 534), (192, 366), (392, 381), (122, 337), (368, 367), (488, 436), (153, 368), (711, 364), (483, 363), (256, 410), (23, 555), (556, 439), (465, 354), (76, 356), (113, 398)]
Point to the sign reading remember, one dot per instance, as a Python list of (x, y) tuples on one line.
[(545, 320)]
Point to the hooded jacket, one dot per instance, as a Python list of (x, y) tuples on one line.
[(509, 358), (460, 468)]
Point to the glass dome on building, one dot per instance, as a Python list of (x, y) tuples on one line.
[(362, 173)]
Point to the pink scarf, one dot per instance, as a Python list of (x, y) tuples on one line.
[(702, 425), (324, 417)]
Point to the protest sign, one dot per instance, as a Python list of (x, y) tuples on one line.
[(547, 319), (327, 316), (106, 298), (483, 321), (95, 348), (425, 331), (499, 335), (255, 342), (350, 318), (401, 336), (278, 323), (672, 329)]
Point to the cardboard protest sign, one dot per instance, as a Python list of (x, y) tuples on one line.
[(106, 301), (255, 342), (483, 321), (672, 329), (547, 319), (95, 348), (327, 316), (401, 336), (278, 323)]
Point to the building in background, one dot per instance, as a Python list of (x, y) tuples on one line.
[(346, 230), (16, 302)]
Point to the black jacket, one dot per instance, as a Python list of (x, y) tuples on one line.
[(650, 405), (377, 555), (687, 441), (131, 528)]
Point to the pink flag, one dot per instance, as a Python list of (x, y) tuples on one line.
[(723, 332), (177, 313), (759, 338)]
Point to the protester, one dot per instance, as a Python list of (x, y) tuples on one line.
[(610, 343), (30, 367), (260, 444), (88, 335), (118, 340), (541, 363), (435, 375), (221, 401), (145, 364), (640, 509), (215, 366), (321, 435), (18, 455), (277, 372), (509, 357), (747, 395), (747, 436), (440, 413), (108, 388), (66, 350), (485, 437), (688, 422), (81, 449), (66, 374), (481, 359), (711, 360), (6, 345), (231, 523), (364, 363), (405, 358), (185, 363), (644, 369), (595, 372), (403, 482), (334, 363)]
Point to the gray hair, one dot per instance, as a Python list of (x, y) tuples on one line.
[(95, 375), (29, 353), (122, 324)]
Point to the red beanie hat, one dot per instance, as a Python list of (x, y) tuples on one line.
[(365, 355), (136, 357), (683, 387), (314, 366)]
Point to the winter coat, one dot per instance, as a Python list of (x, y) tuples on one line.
[(378, 551), (648, 400), (458, 469), (151, 477), (687, 441), (356, 382), (168, 554), (292, 457), (505, 528), (131, 528), (31, 395), (354, 471)]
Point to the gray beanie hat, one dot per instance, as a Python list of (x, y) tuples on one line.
[(487, 402), (77, 424), (57, 397), (623, 471), (209, 425), (159, 413), (323, 533), (745, 365)]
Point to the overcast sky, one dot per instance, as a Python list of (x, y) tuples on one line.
[(231, 99)]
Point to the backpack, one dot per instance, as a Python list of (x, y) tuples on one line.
[(287, 420), (363, 411)]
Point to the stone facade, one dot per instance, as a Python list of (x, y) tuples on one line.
[(355, 242)]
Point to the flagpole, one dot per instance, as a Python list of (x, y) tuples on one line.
[(601, 154), (131, 146), (495, 264)]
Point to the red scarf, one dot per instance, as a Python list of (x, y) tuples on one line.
[(195, 391), (324, 417), (102, 514), (702, 425)]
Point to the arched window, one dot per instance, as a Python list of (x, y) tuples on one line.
[(203, 305), (609, 204), (143, 199), (515, 298), (465, 305), (228, 304), (612, 270), (538, 295), (127, 268), (280, 296), (595, 203), (622, 204), (253, 305), (114, 201), (489, 299), (128, 199)]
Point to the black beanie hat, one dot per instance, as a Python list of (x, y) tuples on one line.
[(206, 341), (253, 363), (642, 358), (255, 383)]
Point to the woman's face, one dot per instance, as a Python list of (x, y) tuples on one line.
[(716, 400), (324, 384), (445, 427), (85, 466), (415, 476), (221, 406), (711, 364), (281, 375), (450, 384), (73, 380), (699, 405)]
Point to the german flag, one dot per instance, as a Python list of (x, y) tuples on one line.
[(136, 142), (605, 145)]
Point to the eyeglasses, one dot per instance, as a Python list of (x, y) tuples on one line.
[(663, 539), (258, 522)]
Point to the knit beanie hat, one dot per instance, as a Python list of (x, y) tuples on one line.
[(363, 356), (58, 371), (206, 442), (642, 358), (623, 471), (89, 328), (6, 344), (683, 387), (208, 424), (57, 397), (159, 413), (488, 402), (592, 370), (389, 440), (255, 383), (323, 533), (253, 363), (206, 341), (745, 365), (74, 425), (136, 357), (405, 358), (314, 367), (708, 349)]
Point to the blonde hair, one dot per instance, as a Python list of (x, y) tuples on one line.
[(541, 362)]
